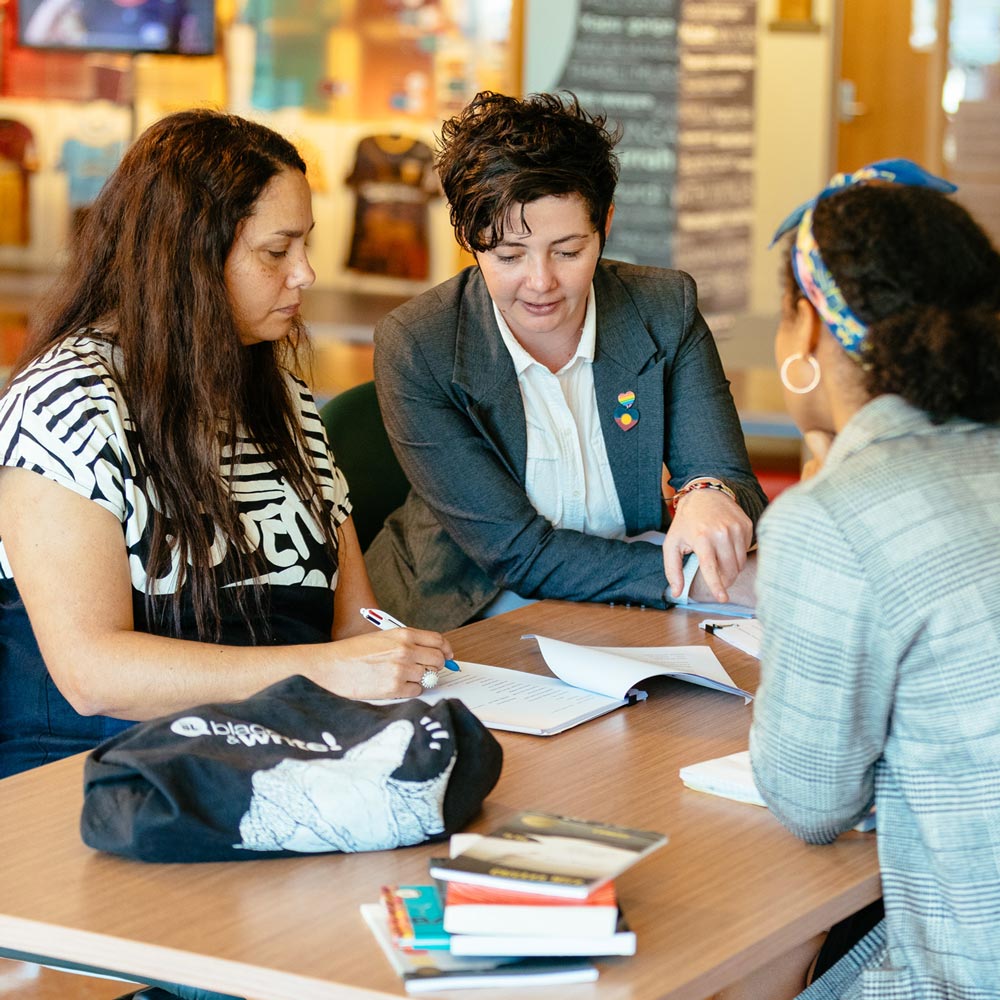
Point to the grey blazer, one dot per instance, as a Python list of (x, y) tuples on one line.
[(452, 408)]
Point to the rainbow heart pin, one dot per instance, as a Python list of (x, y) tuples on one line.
[(625, 416)]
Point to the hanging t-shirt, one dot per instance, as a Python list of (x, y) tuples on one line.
[(290, 68), (17, 160), (394, 179), (87, 168)]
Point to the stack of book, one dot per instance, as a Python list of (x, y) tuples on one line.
[(532, 902)]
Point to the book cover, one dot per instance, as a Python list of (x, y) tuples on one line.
[(480, 909), (416, 917), (430, 971), (543, 853), (620, 942)]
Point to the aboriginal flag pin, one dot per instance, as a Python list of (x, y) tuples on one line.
[(626, 415)]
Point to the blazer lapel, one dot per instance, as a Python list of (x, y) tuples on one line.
[(625, 361), (484, 372)]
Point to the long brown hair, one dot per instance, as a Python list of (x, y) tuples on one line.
[(147, 267)]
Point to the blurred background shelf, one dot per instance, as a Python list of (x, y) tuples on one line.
[(341, 325)]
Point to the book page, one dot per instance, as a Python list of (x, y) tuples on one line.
[(613, 670), (518, 701)]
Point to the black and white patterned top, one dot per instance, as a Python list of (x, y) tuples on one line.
[(64, 417)]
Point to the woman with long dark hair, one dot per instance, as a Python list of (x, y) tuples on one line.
[(170, 514)]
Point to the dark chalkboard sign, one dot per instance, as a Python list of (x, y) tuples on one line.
[(678, 76)]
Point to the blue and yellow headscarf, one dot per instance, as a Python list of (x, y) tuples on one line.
[(811, 272)]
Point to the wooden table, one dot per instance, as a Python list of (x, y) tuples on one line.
[(731, 891)]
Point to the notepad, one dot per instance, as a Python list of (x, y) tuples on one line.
[(590, 681), (731, 777), (743, 634)]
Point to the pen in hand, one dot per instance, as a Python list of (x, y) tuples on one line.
[(382, 620)]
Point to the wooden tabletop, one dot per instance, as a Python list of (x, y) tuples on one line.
[(729, 892)]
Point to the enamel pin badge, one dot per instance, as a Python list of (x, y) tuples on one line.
[(626, 415)]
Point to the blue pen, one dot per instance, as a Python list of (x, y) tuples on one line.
[(383, 620)]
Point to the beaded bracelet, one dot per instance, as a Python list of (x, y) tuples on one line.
[(700, 484)]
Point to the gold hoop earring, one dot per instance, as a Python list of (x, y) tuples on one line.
[(813, 382)]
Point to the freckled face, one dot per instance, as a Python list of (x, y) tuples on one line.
[(267, 266), (540, 279)]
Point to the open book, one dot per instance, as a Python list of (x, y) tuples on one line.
[(589, 681)]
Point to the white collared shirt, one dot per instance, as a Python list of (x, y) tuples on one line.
[(567, 477)]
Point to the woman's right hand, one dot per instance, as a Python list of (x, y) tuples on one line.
[(385, 664)]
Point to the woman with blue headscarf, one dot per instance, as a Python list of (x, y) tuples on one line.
[(879, 576)]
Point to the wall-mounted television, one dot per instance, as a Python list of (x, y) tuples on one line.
[(185, 27)]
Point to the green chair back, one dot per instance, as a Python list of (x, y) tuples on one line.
[(361, 448)]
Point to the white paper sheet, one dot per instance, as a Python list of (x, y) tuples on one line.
[(743, 634)]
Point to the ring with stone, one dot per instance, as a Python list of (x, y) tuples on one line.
[(429, 679)]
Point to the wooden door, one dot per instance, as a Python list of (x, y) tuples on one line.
[(890, 94)]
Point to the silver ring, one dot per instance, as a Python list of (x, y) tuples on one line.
[(429, 679)]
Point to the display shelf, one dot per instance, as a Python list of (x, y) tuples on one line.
[(341, 325)]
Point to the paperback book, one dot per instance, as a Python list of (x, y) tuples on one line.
[(745, 635), (417, 922), (431, 971), (621, 941), (542, 853), (480, 909), (731, 777)]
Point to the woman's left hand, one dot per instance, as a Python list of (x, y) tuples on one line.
[(713, 527)]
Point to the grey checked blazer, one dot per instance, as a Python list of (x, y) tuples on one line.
[(879, 593), (452, 407)]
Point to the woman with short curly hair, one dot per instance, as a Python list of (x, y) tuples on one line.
[(534, 399)]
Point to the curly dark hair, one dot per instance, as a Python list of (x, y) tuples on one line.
[(147, 269), (501, 152), (917, 269)]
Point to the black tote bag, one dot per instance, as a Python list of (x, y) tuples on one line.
[(291, 770)]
